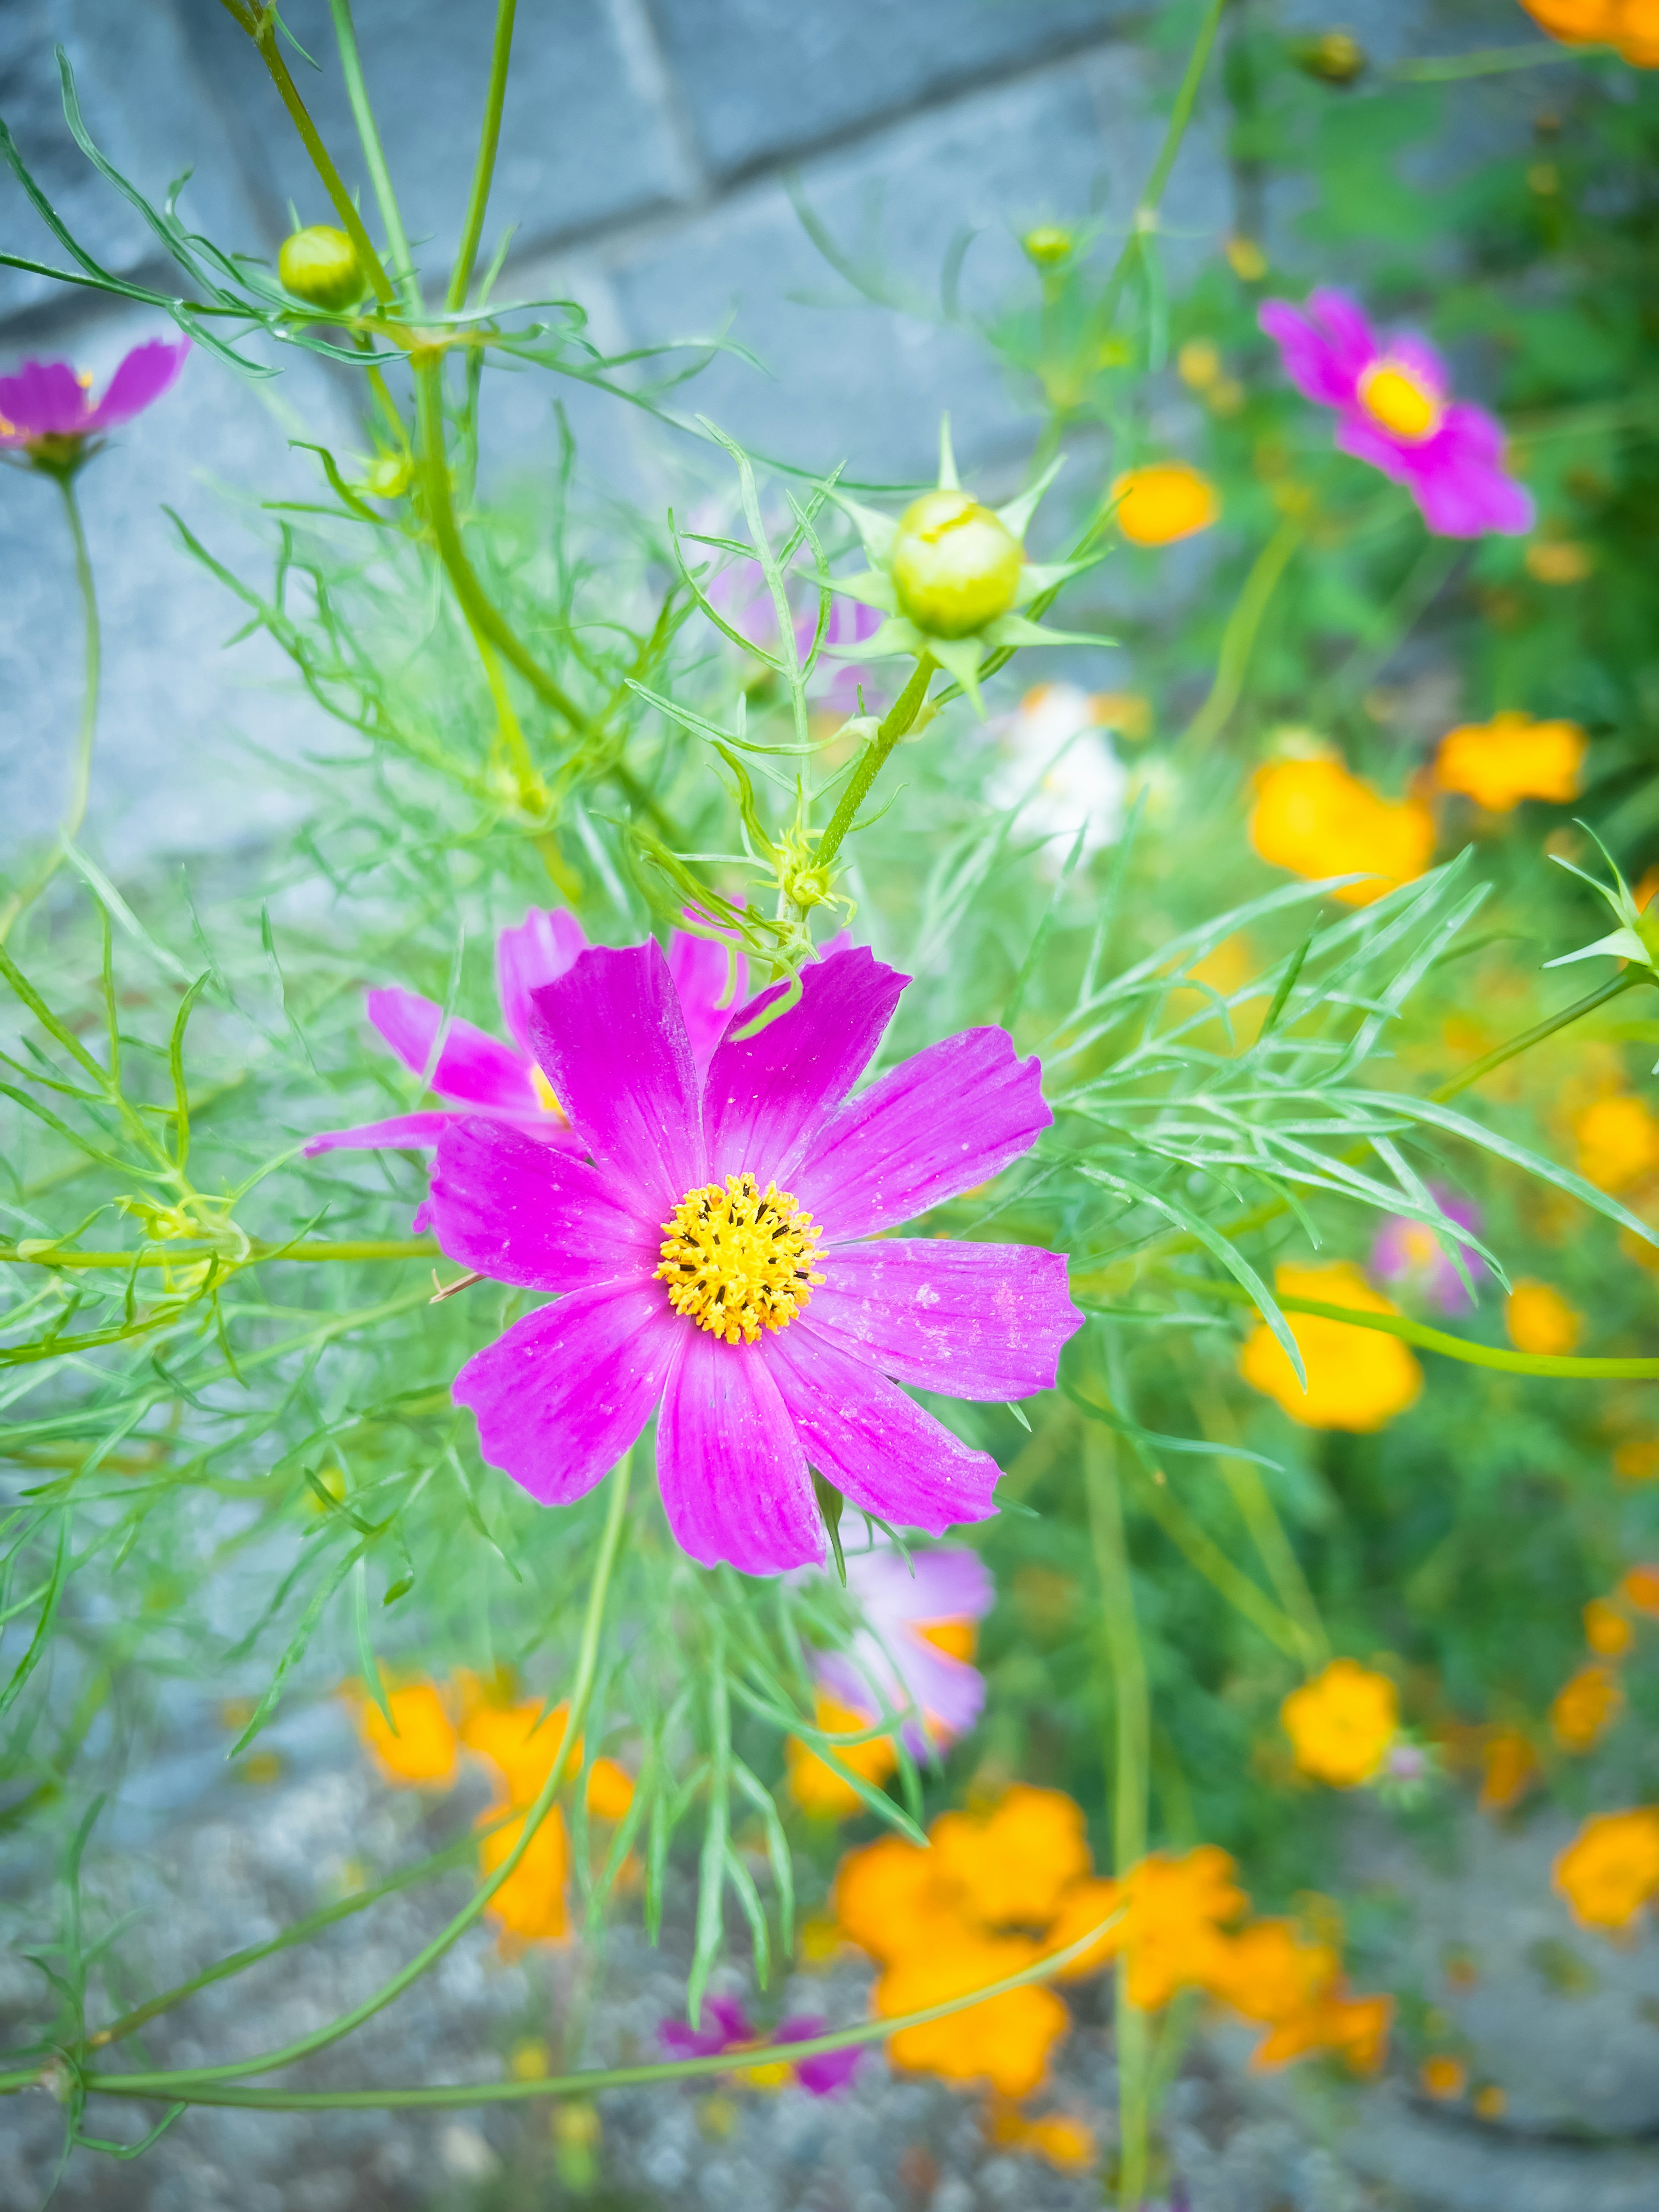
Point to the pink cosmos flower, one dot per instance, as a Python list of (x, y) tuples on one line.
[(732, 2031), (45, 410), (914, 1610), (1394, 412), (1408, 1255), (717, 1257)]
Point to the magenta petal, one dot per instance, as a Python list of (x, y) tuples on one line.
[(831, 2070), (411, 1131), (708, 990), (537, 951), (734, 1481), (877, 1447), (938, 1124), (472, 1066), (1323, 368), (520, 1211), (970, 1320), (765, 1099), (43, 399), (945, 1690), (610, 1036), (148, 371), (561, 1397)]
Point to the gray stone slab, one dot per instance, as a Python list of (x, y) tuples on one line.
[(584, 135), (762, 80)]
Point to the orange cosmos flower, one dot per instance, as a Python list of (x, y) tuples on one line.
[(1539, 1319), (1630, 26), (1342, 1723), (1607, 1632), (1012, 1865), (1443, 2077), (1512, 757), (1617, 1141), (814, 1783), (1358, 1379), (1585, 1708), (1005, 2041), (1510, 1769), (1164, 502), (1639, 1590), (1314, 819), (1065, 2143), (1610, 1870), (1170, 1935), (421, 1746), (531, 1903)]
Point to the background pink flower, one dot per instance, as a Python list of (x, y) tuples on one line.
[(818, 1374), (901, 1599), (46, 400), (1407, 1254), (731, 2030), (1394, 409)]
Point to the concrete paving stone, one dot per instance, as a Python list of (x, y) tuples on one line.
[(586, 136), (150, 112), (761, 80)]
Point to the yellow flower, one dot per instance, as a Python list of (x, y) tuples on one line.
[(1584, 1708), (1490, 2102), (1617, 1141), (1636, 1459), (814, 1783), (531, 1903), (1170, 1935), (1607, 1632), (1511, 1768), (1539, 1319), (1512, 757), (1065, 2143), (1164, 502), (1270, 1973), (1443, 2077), (1342, 1723), (1358, 1379), (521, 1745), (1611, 1868), (420, 1746), (1011, 1866), (1005, 2041), (1314, 819), (1630, 27), (1639, 1590), (1558, 560)]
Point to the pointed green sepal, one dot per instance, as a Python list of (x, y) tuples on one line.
[(961, 657), (1620, 945), (871, 587), (878, 531), (1016, 517), (894, 635)]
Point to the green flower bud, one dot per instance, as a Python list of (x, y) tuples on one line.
[(387, 476), (1048, 245), (321, 266), (955, 567), (1334, 58)]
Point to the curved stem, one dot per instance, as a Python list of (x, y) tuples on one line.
[(1239, 636), (1181, 115), (900, 719), (379, 176), (484, 168), (1612, 989), (81, 776)]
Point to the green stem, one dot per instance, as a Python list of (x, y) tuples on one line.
[(264, 33), (1181, 116), (900, 719), (1239, 636), (1614, 988), (1131, 1770), (379, 176), (582, 1691), (81, 784), (182, 1254), (1452, 68), (483, 169)]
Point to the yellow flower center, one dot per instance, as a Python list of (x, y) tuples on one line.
[(1399, 401), (739, 1259)]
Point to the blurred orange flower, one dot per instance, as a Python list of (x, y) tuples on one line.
[(1585, 1707), (814, 1783), (1512, 757), (1443, 2077), (1511, 1767), (1342, 1723), (1067, 2143), (1163, 501), (1617, 1141), (530, 1904), (421, 1746), (1630, 26), (1358, 1379), (1005, 2041), (1610, 1870), (1639, 1588), (1539, 1319), (1012, 1864), (1170, 1933), (1315, 818), (1607, 1632)]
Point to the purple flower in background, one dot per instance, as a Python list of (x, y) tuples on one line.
[(713, 1239), (732, 2031), (848, 623), (1392, 400), (46, 411), (1409, 1255), (919, 1639)]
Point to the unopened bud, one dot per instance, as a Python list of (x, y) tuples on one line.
[(387, 476), (955, 567), (1334, 57), (321, 266), (1048, 245)]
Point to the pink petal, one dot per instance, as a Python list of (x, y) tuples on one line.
[(520, 1211), (472, 1065), (951, 1583), (938, 1124), (537, 951), (970, 1320), (561, 1397), (148, 373), (44, 398), (734, 1481), (764, 1100), (610, 1036), (946, 1690), (709, 992), (412, 1132), (1367, 440), (1463, 488), (878, 1448), (1324, 367)]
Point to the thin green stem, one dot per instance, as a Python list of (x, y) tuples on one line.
[(1181, 116), (1614, 988), (1239, 636), (379, 176), (483, 169), (1493, 61), (81, 776), (581, 1690), (900, 719), (1131, 1773), (184, 1253), (262, 30)]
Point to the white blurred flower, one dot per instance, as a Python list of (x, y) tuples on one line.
[(1058, 767)]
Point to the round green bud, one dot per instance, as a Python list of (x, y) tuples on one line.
[(1334, 56), (1048, 245), (387, 476), (321, 266), (954, 566)]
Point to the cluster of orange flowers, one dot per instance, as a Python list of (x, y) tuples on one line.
[(1591, 1700), (1631, 27), (1011, 1883), (1617, 1138), (1358, 1378), (518, 1741)]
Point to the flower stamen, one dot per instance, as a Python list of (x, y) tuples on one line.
[(739, 1259), (1398, 398)]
